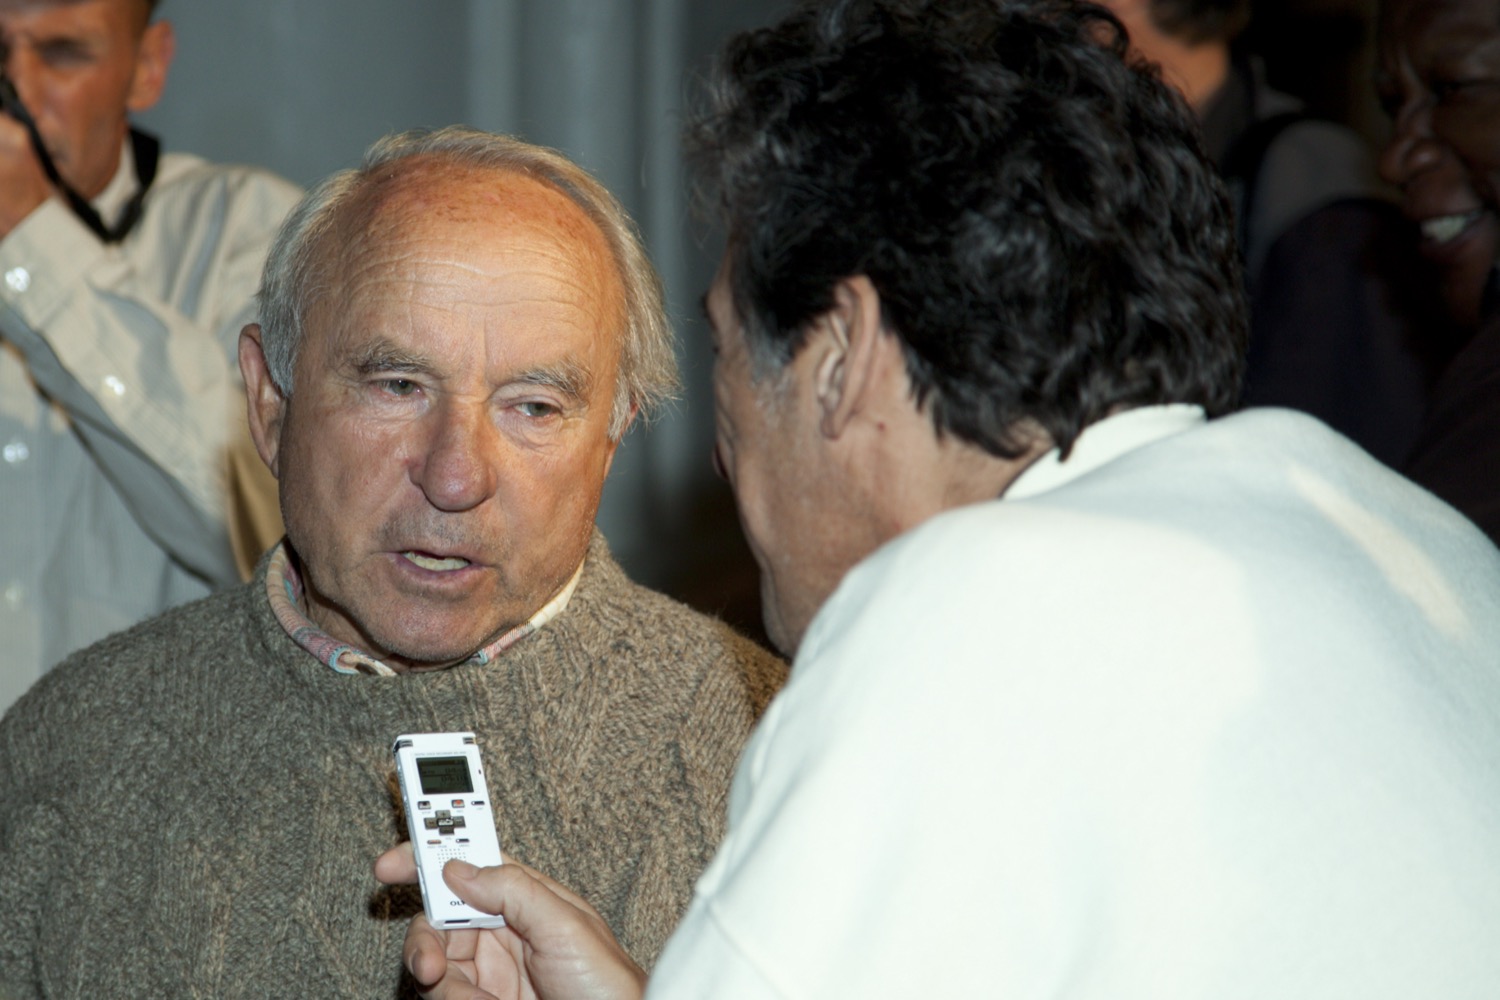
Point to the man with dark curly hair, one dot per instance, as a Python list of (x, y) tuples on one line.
[(1097, 693)]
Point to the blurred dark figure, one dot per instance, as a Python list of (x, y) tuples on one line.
[(1439, 79), (1341, 308)]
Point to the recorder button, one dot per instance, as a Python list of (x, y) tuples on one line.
[(424, 804), (430, 823)]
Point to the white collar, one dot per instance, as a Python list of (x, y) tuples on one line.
[(1103, 442)]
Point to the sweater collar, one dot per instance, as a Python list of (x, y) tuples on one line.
[(1103, 442), (284, 590)]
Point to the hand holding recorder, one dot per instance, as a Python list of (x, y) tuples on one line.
[(553, 946), (462, 948)]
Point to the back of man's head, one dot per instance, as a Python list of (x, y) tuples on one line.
[(1048, 241)]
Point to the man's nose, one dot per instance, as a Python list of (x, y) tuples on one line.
[(1412, 147), (460, 468)]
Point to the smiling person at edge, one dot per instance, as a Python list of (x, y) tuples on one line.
[(1439, 80), (1098, 692), (453, 340)]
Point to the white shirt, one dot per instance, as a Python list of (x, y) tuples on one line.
[(120, 399), (1205, 711)]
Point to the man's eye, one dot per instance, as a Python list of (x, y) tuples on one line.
[(399, 386), (65, 54), (536, 410), (1459, 88)]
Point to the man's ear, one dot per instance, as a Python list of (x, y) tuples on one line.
[(847, 372), (265, 402), (614, 443), (153, 58)]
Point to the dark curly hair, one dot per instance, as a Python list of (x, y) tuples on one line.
[(1048, 239)]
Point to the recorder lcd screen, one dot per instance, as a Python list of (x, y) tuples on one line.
[(444, 775)]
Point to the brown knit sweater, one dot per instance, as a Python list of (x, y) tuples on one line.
[(191, 808)]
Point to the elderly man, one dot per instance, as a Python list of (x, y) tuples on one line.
[(453, 340), (1096, 695), (125, 278)]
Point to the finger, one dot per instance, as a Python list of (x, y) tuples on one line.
[(426, 951), (456, 989), (557, 887), (518, 893), (456, 985), (442, 962), (565, 949), (397, 866)]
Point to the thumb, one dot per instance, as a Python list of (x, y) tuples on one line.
[(511, 891), (570, 950)]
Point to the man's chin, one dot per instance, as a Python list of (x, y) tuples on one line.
[(423, 660), (428, 648), (784, 634)]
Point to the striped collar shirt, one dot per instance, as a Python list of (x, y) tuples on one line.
[(284, 590)]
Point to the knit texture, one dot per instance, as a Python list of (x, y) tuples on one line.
[(191, 808)]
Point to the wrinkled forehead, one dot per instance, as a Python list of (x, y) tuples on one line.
[(142, 7), (474, 223), (137, 13), (426, 198)]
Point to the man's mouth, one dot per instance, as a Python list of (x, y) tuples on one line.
[(1447, 228), (436, 563)]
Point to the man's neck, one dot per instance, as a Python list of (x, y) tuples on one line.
[(111, 201), (927, 474)]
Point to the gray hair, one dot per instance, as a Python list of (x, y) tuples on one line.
[(296, 271)]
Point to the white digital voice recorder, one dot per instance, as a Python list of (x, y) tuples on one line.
[(449, 815)]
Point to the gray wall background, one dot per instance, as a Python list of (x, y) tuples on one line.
[(303, 87)]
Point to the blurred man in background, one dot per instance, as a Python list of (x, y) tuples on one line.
[(127, 480)]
